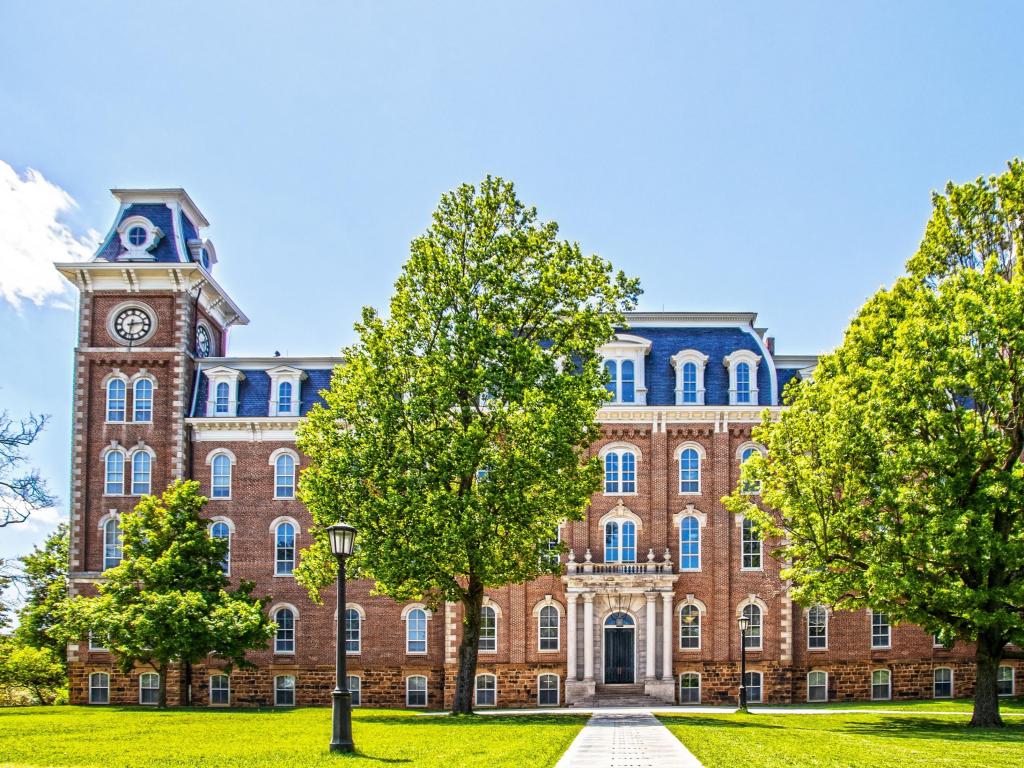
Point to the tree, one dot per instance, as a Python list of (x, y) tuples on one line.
[(20, 494), (897, 471), (37, 670), (467, 412), (168, 600), (44, 576)]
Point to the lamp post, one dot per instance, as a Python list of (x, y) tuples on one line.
[(744, 622), (342, 537)]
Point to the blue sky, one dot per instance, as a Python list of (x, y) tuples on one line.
[(774, 157)]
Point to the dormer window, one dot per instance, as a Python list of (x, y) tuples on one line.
[(284, 397), (222, 399), (139, 236), (742, 365), (624, 366), (689, 365), (285, 390)]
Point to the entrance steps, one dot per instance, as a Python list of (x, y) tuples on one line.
[(621, 695)]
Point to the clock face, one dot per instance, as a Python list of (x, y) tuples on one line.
[(202, 342), (133, 324)]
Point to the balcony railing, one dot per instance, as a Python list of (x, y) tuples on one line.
[(600, 569)]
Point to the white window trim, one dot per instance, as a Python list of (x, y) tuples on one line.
[(952, 681), (888, 672), (701, 455), (871, 630), (138, 252), (274, 525), (130, 468), (702, 612), (231, 476), (362, 618), (209, 689), (760, 686), (754, 600), (115, 447), (700, 360), (116, 375), (628, 347), (558, 689), (1013, 679), (426, 691), (731, 361), (143, 375), (828, 620), (488, 603), (549, 602), (740, 520), (702, 522), (295, 691), (476, 690), (141, 702), (218, 375), (700, 685), (295, 627), (619, 448), (808, 686), (231, 535), (739, 465), (358, 689), (92, 687), (272, 461), (278, 376), (426, 640)]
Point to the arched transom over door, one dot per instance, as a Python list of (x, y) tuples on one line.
[(619, 649)]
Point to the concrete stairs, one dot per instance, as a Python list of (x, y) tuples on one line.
[(621, 695)]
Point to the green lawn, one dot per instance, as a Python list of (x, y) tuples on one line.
[(839, 741), (1006, 706), (112, 737)]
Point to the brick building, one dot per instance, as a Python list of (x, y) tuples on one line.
[(653, 580)]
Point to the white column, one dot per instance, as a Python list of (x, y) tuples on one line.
[(666, 636), (652, 627), (570, 648), (588, 636)]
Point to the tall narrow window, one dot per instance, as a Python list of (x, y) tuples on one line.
[(1004, 681), (752, 682), (942, 683), (220, 690), (880, 630), (99, 688), (611, 473), (114, 484), (817, 627), (416, 691), (620, 471), (628, 472), (353, 631), (751, 541), (149, 688), (221, 530), (612, 385), (689, 627), (742, 383), (689, 471), (284, 476), (284, 397), (111, 543), (488, 629), (547, 690), (689, 688), (284, 638), (620, 541), (141, 467), (284, 691), (817, 686), (115, 400), (355, 688), (880, 684), (284, 549), (689, 382), (220, 477), (416, 631), (611, 542), (627, 389), (689, 544), (548, 628), (753, 639), (143, 400), (222, 401), (486, 690), (749, 487)]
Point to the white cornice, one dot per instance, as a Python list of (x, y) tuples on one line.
[(268, 363), (795, 361), (669, 319), (165, 195)]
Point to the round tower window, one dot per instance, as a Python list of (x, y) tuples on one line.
[(137, 236)]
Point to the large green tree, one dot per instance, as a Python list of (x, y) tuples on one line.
[(897, 471), (44, 578), (168, 601), (453, 436)]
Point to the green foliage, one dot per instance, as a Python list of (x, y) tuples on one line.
[(45, 579), (40, 671), (897, 472), (467, 411), (21, 492), (168, 600)]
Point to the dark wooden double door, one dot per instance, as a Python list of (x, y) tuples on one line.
[(619, 655)]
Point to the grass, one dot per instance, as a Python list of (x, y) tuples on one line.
[(113, 737), (1006, 706), (847, 740)]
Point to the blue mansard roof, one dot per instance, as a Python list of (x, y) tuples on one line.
[(254, 388), (169, 210)]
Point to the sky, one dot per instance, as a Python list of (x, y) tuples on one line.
[(769, 157)]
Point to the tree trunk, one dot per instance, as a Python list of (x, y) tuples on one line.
[(986, 695), (465, 684), (161, 700)]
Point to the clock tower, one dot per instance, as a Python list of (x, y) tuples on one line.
[(148, 309)]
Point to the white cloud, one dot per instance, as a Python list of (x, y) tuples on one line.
[(32, 238)]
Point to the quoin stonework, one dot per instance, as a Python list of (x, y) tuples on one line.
[(653, 580)]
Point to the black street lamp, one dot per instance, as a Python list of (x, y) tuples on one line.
[(744, 622), (342, 538)]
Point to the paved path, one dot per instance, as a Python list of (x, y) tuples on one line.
[(634, 740)]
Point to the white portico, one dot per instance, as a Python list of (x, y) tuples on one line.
[(622, 634)]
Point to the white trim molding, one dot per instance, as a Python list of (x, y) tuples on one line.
[(634, 349), (222, 375), (700, 361), (283, 374), (732, 361)]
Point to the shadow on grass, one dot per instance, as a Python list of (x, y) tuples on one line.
[(910, 727), (751, 721), (472, 721)]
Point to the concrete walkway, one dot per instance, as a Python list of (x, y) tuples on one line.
[(626, 740)]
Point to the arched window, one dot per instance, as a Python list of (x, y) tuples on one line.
[(817, 686), (99, 688), (749, 487), (619, 470), (942, 683), (284, 691), (416, 631), (111, 543), (486, 690), (353, 631), (284, 549), (689, 688), (284, 637), (223, 399), (742, 382), (115, 400), (619, 619), (143, 400), (751, 546), (689, 471), (284, 397), (880, 684), (488, 629), (221, 530), (689, 382), (627, 387), (753, 639), (141, 474), (149, 688), (416, 691), (689, 544), (620, 541), (547, 690), (548, 628), (114, 474), (220, 690), (752, 683), (284, 475), (355, 689), (220, 476), (817, 627), (689, 627)]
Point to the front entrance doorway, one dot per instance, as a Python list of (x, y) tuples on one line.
[(619, 649)]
